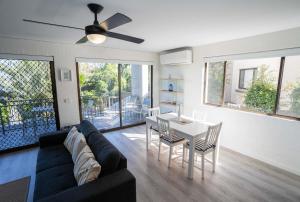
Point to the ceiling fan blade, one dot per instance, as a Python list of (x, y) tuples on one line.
[(51, 24), (114, 21), (124, 37), (82, 40)]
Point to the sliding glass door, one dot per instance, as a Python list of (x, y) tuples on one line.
[(99, 94), (135, 92), (114, 95)]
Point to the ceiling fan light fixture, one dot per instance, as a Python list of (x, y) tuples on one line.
[(96, 38)]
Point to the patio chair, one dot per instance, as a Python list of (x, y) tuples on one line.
[(142, 109)]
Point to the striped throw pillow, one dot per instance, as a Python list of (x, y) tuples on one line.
[(86, 168), (70, 139), (79, 144)]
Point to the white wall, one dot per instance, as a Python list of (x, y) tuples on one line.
[(270, 139), (64, 57)]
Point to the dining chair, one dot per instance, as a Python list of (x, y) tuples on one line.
[(155, 111), (205, 146), (167, 137), (199, 115)]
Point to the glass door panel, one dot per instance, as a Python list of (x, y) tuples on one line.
[(135, 92), (99, 93)]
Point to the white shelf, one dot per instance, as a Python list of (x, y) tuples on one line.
[(167, 91), (168, 103), (171, 79)]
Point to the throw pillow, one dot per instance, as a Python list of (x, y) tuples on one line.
[(79, 144), (86, 168), (70, 139)]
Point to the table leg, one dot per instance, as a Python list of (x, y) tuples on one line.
[(191, 158)]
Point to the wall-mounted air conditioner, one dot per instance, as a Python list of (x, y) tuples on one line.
[(182, 56)]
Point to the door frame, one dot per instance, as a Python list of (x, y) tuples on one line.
[(120, 98)]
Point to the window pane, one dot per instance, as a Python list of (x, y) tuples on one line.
[(289, 102), (246, 78), (255, 89), (215, 78), (99, 92)]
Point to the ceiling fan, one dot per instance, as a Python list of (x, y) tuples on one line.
[(97, 32)]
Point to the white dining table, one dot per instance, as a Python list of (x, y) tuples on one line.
[(190, 131)]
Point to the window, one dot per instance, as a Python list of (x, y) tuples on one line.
[(265, 85), (251, 88), (289, 101), (247, 77), (215, 82)]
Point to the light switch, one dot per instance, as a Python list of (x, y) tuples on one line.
[(66, 100)]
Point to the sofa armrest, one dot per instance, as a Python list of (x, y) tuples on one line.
[(52, 138), (122, 163), (119, 186)]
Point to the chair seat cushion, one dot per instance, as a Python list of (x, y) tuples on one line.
[(54, 180), (49, 157), (200, 145), (173, 139)]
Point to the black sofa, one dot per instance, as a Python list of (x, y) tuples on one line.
[(54, 171)]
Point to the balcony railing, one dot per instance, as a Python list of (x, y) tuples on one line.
[(23, 121), (104, 112)]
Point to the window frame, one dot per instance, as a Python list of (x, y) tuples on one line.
[(278, 91), (254, 69)]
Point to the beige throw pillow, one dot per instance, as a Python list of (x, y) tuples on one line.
[(70, 139), (79, 144), (86, 168)]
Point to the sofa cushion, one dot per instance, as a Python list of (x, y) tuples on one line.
[(86, 128), (49, 157), (54, 180), (105, 153)]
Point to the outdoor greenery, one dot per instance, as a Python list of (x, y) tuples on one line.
[(22, 84), (295, 100), (24, 79), (261, 96), (98, 81)]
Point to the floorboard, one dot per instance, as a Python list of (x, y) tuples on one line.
[(237, 177)]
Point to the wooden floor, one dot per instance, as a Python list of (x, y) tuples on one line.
[(237, 178)]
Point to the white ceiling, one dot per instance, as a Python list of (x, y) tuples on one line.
[(164, 24)]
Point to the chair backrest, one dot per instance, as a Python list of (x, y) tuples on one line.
[(212, 135), (153, 111), (199, 115), (146, 101), (163, 127)]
